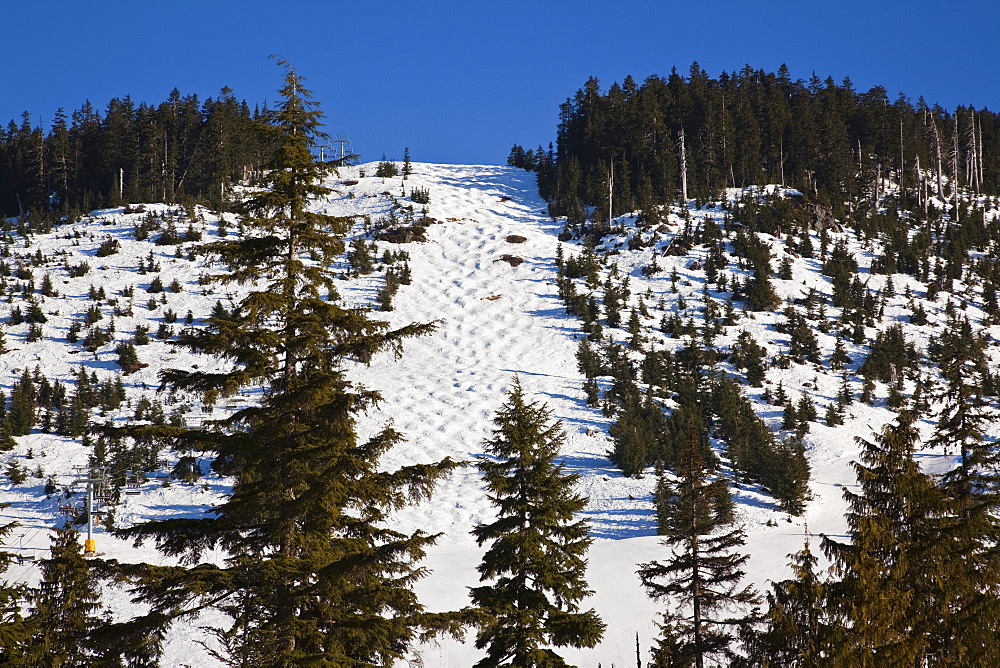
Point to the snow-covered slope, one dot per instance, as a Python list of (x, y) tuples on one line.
[(495, 321)]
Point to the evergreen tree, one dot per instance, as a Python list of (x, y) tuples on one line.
[(21, 417), (639, 431), (14, 629), (798, 629), (407, 165), (889, 595), (748, 354), (63, 620), (969, 634), (535, 562), (839, 358), (313, 575), (701, 580)]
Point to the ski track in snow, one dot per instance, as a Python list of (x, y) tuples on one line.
[(495, 322)]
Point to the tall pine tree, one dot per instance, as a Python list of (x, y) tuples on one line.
[(889, 595), (64, 618), (14, 630), (535, 563), (701, 582), (313, 576)]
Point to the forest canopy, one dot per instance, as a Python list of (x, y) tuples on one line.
[(179, 149), (752, 127)]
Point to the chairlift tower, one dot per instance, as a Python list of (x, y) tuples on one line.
[(97, 481), (345, 147)]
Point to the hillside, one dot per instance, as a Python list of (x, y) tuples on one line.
[(497, 321)]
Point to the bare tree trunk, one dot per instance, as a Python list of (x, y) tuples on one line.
[(684, 168), (954, 165), (937, 155), (921, 185), (902, 161), (979, 151)]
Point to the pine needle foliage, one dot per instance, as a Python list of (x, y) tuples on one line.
[(313, 577), (888, 594), (535, 563), (14, 630), (701, 581), (64, 618)]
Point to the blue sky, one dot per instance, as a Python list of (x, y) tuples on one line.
[(461, 81)]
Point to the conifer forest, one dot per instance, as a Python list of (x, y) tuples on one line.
[(709, 380)]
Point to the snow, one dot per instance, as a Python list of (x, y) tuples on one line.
[(495, 322)]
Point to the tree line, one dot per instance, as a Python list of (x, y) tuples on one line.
[(180, 149), (637, 146)]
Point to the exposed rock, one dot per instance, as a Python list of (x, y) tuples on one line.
[(818, 217), (512, 260), (402, 235)]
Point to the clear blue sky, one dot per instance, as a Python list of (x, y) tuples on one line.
[(461, 81)]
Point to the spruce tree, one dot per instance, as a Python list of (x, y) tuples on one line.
[(888, 594), (971, 591), (533, 570), (797, 629), (701, 581), (14, 629), (21, 417), (63, 620), (312, 574)]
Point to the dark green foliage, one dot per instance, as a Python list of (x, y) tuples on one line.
[(386, 169), (407, 165), (802, 342), (420, 196), (108, 247), (839, 358), (128, 358), (700, 582), (313, 574), (361, 257), (535, 564), (389, 290), (181, 147), (14, 630), (743, 127), (749, 355), (799, 628), (639, 433), (93, 315), (16, 473), (96, 337), (34, 313), (21, 417), (48, 289), (64, 619), (588, 360), (972, 588), (891, 572), (760, 293), (33, 334), (780, 466), (890, 355), (156, 286)]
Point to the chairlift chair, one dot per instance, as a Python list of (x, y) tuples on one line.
[(132, 484)]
